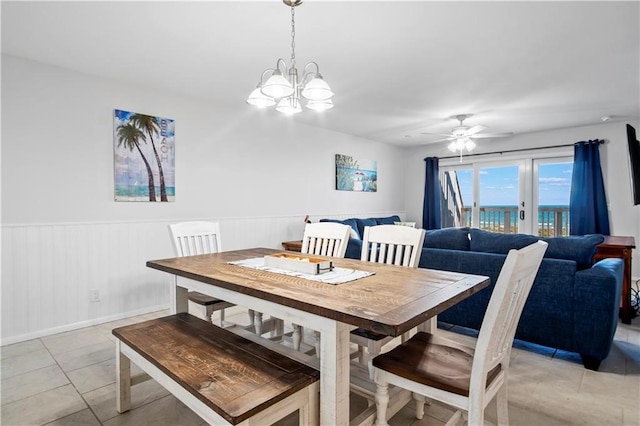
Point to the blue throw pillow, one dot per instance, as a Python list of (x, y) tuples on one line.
[(351, 222), (578, 248), (494, 242), (448, 238), (391, 220), (364, 222)]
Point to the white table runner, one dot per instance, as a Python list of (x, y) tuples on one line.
[(336, 276)]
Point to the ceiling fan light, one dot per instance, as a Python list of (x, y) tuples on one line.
[(289, 106), (259, 99), (317, 90), (277, 86), (453, 146), (469, 144), (320, 105)]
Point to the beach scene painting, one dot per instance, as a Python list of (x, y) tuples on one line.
[(356, 174), (144, 157)]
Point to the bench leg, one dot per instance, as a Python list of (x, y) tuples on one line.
[(123, 381), (310, 414)]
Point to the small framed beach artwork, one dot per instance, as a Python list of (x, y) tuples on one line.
[(144, 157), (356, 174)]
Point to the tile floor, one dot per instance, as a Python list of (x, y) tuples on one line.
[(69, 379)]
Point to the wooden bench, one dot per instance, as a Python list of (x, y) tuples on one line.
[(222, 377)]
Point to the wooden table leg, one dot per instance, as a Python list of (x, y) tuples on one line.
[(334, 374), (180, 298)]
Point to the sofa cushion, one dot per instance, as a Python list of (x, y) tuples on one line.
[(494, 242), (351, 222), (391, 220), (578, 248), (448, 238), (364, 222)]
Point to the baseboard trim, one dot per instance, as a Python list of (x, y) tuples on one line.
[(75, 326)]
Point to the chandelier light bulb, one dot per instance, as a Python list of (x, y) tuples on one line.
[(289, 106), (277, 86), (317, 90), (259, 99), (320, 105)]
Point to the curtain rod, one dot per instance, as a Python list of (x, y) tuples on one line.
[(514, 150)]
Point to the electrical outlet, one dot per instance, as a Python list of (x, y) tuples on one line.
[(95, 295)]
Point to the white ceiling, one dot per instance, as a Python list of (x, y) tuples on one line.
[(398, 68)]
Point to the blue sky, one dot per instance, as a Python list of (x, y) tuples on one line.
[(499, 185)]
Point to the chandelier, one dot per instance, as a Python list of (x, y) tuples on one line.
[(284, 89)]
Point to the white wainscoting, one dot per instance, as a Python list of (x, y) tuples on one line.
[(50, 271)]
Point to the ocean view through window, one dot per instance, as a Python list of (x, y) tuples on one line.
[(498, 206)]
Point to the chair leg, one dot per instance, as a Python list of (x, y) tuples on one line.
[(420, 400), (252, 321), (257, 318), (362, 357), (458, 417), (382, 401), (373, 348), (475, 415), (297, 336), (278, 328), (208, 313), (317, 343), (502, 403)]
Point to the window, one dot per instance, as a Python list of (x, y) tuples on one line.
[(517, 196)]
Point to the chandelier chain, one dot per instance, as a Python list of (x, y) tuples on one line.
[(293, 37)]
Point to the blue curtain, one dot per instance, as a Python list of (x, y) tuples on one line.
[(431, 206), (588, 202)]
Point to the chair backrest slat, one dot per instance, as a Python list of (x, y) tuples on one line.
[(325, 239), (393, 245), (197, 237)]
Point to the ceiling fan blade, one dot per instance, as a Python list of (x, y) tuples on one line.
[(442, 140), (475, 129), (448, 135), (491, 135)]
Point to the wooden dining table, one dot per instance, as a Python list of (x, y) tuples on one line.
[(392, 301)]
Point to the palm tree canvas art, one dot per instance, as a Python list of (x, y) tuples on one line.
[(144, 157)]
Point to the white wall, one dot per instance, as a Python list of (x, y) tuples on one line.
[(623, 215), (256, 172)]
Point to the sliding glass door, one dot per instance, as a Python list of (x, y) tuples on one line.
[(518, 196), (551, 195), (501, 198)]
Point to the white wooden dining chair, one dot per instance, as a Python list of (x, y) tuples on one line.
[(194, 238), (322, 239), (466, 378), (393, 245)]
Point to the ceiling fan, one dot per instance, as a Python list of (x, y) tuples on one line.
[(462, 136)]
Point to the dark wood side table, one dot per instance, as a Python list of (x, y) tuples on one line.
[(292, 245), (620, 247)]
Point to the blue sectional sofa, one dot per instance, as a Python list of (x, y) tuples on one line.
[(573, 304)]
